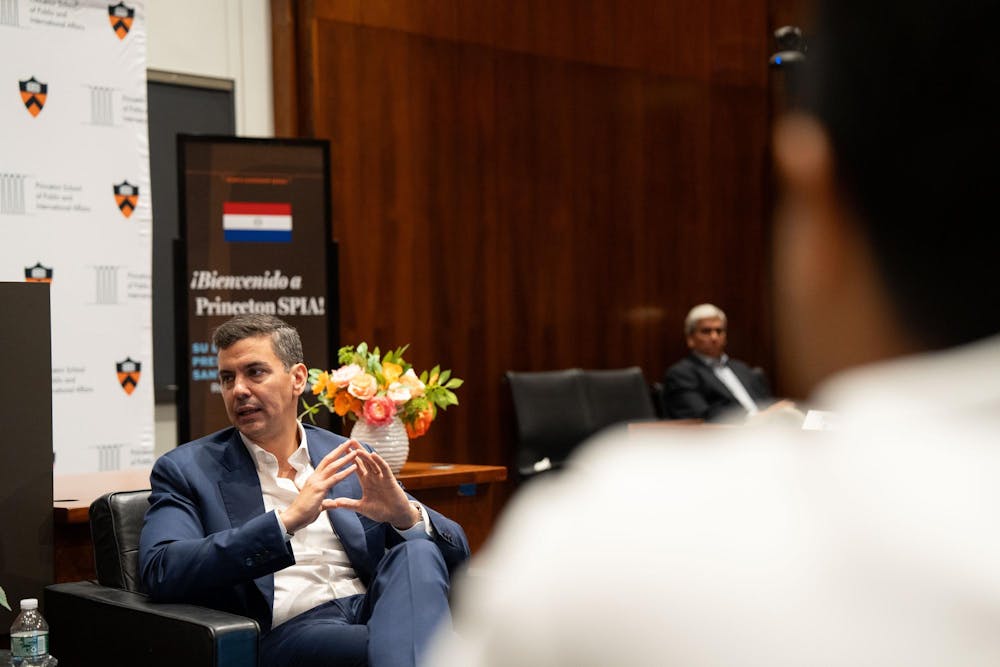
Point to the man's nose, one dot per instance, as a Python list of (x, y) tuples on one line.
[(240, 387)]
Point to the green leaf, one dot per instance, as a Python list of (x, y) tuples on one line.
[(3, 600), (309, 411), (444, 377), (423, 377), (454, 383)]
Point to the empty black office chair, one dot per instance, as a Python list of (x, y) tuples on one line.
[(552, 414), (618, 395), (111, 623)]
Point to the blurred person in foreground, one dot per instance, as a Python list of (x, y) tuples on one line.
[(876, 544), (304, 531), (708, 384)]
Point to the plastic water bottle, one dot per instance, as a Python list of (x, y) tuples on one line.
[(29, 637)]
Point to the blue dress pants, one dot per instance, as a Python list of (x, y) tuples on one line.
[(389, 626)]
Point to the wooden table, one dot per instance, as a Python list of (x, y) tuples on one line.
[(465, 493)]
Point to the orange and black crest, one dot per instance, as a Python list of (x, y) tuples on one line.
[(128, 374), (127, 197), (33, 93), (121, 17), (37, 274)]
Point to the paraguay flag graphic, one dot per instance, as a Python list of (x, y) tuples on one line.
[(266, 222)]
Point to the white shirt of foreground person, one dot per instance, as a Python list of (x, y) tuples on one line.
[(878, 544)]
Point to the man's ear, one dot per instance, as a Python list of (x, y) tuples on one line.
[(300, 374), (832, 309)]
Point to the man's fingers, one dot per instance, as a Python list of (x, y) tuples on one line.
[(363, 467), (342, 474), (383, 467), (338, 452), (338, 503)]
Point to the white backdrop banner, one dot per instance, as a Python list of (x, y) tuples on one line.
[(75, 212)]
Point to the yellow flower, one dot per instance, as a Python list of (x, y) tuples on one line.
[(320, 385), (391, 371)]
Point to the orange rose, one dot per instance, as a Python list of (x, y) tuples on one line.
[(421, 423), (342, 404)]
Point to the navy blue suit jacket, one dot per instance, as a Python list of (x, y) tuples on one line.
[(207, 540), (692, 390)]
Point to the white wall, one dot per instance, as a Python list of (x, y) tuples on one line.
[(229, 39)]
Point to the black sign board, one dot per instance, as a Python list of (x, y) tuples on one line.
[(255, 238)]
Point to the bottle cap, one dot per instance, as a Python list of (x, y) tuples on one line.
[(29, 603)]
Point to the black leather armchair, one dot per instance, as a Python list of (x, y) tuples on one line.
[(111, 623), (552, 414), (618, 395), (557, 410)]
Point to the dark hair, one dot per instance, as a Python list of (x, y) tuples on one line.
[(284, 338), (908, 95)]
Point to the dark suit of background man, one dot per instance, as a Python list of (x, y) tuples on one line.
[(303, 530), (707, 384)]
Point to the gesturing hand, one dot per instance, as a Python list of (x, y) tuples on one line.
[(307, 505), (382, 499)]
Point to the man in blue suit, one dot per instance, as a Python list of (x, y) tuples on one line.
[(236, 522)]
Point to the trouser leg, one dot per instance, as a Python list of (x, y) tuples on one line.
[(325, 636), (407, 600)]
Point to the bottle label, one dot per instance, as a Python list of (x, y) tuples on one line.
[(29, 645)]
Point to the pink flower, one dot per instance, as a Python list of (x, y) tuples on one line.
[(379, 411), (343, 375), (398, 393), (362, 386)]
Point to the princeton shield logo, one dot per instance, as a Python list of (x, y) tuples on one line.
[(128, 374), (33, 93), (127, 197), (37, 274), (121, 17)]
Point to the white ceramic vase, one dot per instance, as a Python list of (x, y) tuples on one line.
[(390, 441)]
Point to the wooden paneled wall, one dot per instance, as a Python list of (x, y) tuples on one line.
[(536, 185)]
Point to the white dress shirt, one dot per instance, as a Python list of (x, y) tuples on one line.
[(322, 570)]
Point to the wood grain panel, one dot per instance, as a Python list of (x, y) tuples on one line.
[(529, 186), (686, 38)]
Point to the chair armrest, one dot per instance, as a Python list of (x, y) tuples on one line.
[(94, 624)]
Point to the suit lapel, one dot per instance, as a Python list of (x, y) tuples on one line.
[(709, 376), (243, 498), (239, 485), (345, 523)]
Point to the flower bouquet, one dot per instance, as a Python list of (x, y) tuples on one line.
[(377, 389)]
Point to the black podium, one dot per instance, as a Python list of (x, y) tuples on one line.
[(25, 446)]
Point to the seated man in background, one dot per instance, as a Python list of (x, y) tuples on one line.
[(303, 530), (707, 384), (875, 544)]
